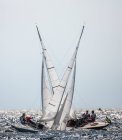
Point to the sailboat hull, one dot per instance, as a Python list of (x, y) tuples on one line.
[(94, 125), (24, 128)]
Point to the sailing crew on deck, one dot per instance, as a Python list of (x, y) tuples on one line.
[(23, 118), (83, 120), (86, 115), (92, 117)]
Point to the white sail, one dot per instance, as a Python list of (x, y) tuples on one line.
[(53, 81), (45, 91), (55, 101), (53, 77), (58, 89), (63, 114), (56, 122)]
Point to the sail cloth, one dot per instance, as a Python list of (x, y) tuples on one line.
[(58, 89), (45, 91), (63, 114), (59, 115), (54, 104), (54, 80)]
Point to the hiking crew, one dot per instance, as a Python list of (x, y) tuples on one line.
[(23, 119), (86, 118), (83, 119), (92, 117)]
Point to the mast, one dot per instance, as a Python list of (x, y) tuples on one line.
[(80, 37), (42, 83)]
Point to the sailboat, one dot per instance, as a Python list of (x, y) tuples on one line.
[(56, 94), (59, 105), (52, 112)]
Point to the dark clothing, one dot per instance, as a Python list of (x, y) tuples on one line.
[(25, 120), (82, 120), (85, 116), (28, 119), (35, 124), (92, 118), (22, 120)]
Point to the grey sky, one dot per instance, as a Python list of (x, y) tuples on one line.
[(99, 66)]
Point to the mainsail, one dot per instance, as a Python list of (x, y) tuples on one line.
[(54, 104), (63, 114), (54, 80), (45, 91)]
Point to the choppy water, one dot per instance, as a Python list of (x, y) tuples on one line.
[(112, 132)]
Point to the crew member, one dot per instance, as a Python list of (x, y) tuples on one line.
[(92, 117), (23, 118)]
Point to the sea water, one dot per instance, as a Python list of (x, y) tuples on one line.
[(111, 132)]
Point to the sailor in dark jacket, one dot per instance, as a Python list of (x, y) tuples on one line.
[(23, 119), (86, 115), (92, 117), (83, 119)]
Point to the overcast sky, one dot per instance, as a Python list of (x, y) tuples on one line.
[(99, 61)]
